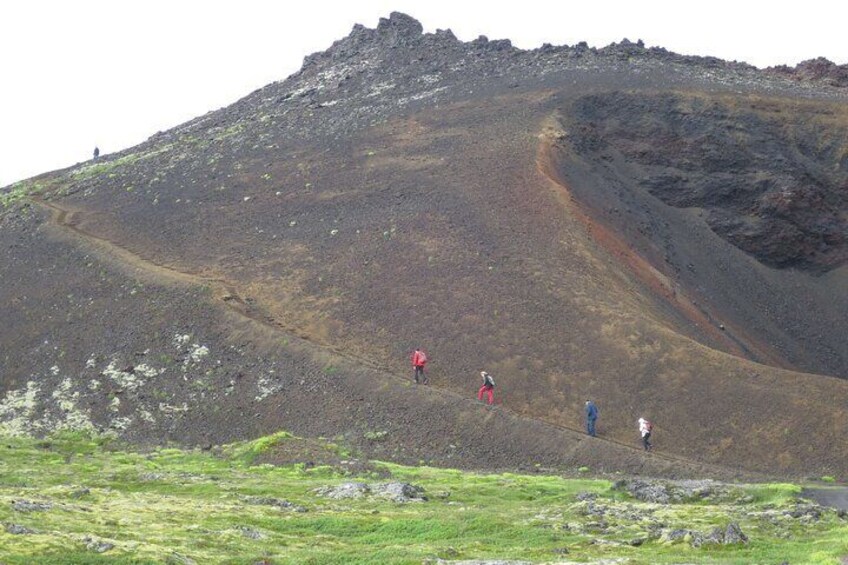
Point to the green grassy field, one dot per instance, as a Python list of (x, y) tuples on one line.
[(105, 503)]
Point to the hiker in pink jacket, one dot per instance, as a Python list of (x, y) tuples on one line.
[(488, 388), (419, 359)]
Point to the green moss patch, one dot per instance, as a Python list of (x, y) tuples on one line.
[(89, 500)]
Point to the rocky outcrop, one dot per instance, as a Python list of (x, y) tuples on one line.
[(275, 502), (30, 506), (677, 492), (731, 534), (770, 181), (400, 31), (97, 545), (394, 491), (18, 530), (818, 69)]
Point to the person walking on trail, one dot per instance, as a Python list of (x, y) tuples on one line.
[(645, 428), (591, 416), (96, 153), (419, 359), (488, 388)]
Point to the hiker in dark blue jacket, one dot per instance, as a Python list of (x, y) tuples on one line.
[(591, 416)]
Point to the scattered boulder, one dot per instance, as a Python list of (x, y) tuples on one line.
[(669, 492), (399, 492), (30, 506), (80, 493), (277, 502), (646, 491), (344, 490), (815, 69), (96, 545), (394, 491), (250, 533), (729, 535), (595, 509), (677, 534), (806, 512), (18, 530), (733, 534)]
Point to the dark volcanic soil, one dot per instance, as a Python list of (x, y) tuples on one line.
[(771, 175), (767, 176), (660, 233)]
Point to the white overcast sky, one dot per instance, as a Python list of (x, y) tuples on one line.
[(80, 73)]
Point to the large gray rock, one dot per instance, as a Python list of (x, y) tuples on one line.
[(17, 529), (394, 491), (729, 535), (399, 492), (97, 545), (344, 490), (250, 533), (667, 492), (276, 502), (30, 506), (733, 534), (647, 491)]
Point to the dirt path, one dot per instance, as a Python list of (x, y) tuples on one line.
[(226, 293)]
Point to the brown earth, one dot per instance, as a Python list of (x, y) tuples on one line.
[(616, 225)]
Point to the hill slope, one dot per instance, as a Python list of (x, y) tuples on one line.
[(663, 234)]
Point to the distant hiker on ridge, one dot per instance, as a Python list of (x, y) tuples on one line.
[(645, 428), (419, 359), (591, 416), (488, 388), (96, 153)]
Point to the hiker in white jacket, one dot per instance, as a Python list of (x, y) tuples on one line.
[(645, 428)]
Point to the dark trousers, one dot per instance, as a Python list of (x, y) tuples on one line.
[(590, 426), (646, 441), (420, 377)]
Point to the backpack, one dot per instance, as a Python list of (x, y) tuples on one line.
[(489, 380)]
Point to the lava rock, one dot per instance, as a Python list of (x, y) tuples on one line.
[(344, 490), (276, 502), (17, 529), (29, 506), (399, 492), (97, 546), (250, 533)]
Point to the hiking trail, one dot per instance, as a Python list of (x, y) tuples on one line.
[(69, 223)]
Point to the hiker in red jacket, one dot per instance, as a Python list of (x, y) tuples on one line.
[(419, 359), (488, 388)]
